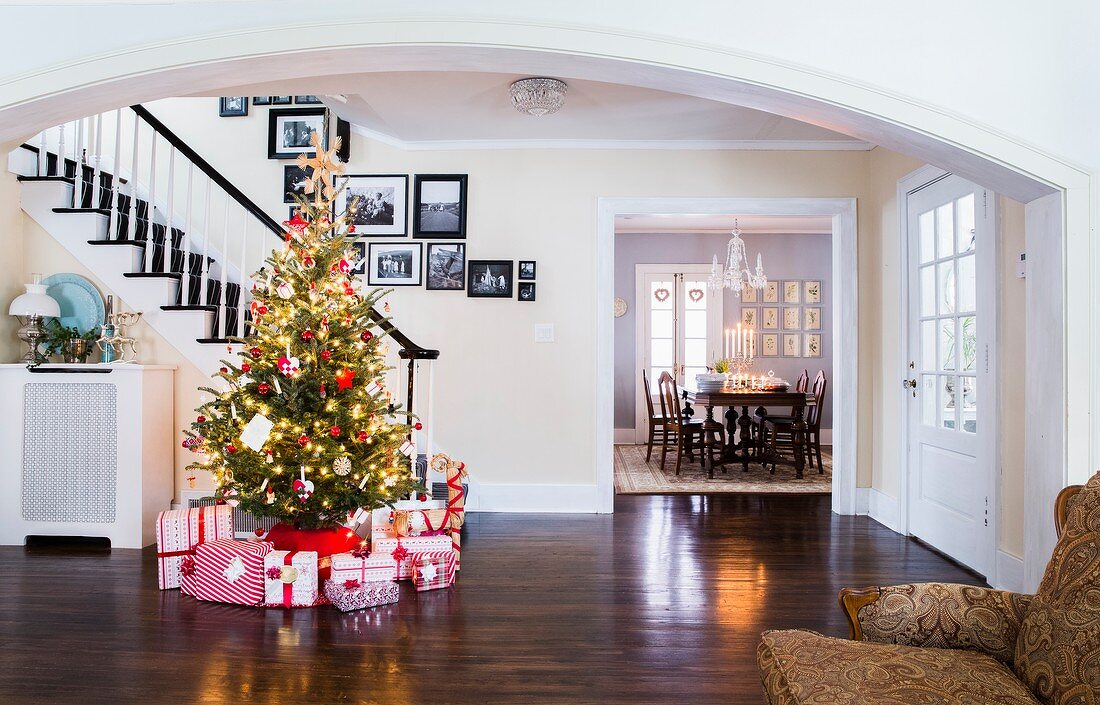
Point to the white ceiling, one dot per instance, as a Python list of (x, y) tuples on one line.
[(438, 109), (679, 223)]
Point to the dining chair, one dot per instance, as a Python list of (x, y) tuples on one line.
[(685, 431), (778, 431), (800, 386), (656, 420)]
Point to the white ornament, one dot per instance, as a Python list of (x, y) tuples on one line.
[(429, 571), (342, 465), (234, 570), (284, 290)]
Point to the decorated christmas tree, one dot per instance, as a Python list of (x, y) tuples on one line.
[(301, 428)]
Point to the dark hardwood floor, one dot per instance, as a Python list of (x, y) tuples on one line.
[(662, 602)]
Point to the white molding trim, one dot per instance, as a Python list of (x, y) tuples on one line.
[(625, 436), (492, 144), (862, 500), (523, 499), (1009, 573), (884, 509), (845, 323)]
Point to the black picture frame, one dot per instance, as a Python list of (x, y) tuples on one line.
[(435, 218), (233, 106), (478, 288), (442, 275), (395, 185), (281, 99), (525, 291), (526, 270), (294, 181), (409, 256), (307, 100), (287, 134), (343, 132), (360, 267), (261, 100)]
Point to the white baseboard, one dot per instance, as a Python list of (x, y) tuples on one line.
[(522, 499), (625, 435), (883, 508), (1010, 573), (862, 494)]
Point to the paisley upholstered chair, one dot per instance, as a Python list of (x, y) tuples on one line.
[(940, 643)]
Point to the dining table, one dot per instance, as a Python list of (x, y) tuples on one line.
[(747, 446)]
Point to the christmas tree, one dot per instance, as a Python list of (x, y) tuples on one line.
[(302, 429)]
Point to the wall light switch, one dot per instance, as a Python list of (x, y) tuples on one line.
[(544, 332), (1021, 266)]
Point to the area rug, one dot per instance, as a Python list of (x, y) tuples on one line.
[(633, 475)]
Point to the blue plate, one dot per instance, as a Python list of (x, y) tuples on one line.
[(81, 303)]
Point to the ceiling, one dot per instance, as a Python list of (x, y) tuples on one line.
[(429, 110), (680, 223)]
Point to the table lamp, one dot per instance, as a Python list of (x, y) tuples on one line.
[(31, 308)]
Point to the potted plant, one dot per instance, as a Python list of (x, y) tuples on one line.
[(68, 342)]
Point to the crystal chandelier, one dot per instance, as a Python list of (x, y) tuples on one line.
[(538, 96), (735, 275)]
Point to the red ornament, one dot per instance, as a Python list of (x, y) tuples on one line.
[(326, 355), (343, 266), (230, 448), (335, 431), (245, 367), (366, 335), (349, 290), (201, 419), (303, 440), (255, 353), (323, 393), (351, 228), (361, 436), (418, 425), (295, 224), (224, 370), (307, 335), (308, 262), (344, 379), (261, 310), (422, 497), (263, 388)]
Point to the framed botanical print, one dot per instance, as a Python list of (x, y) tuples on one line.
[(748, 316), (792, 292), (811, 318), (811, 291), (381, 203), (769, 317), (813, 345), (792, 318), (771, 293), (769, 345), (792, 345), (748, 295)]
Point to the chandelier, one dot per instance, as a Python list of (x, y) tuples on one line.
[(735, 275), (538, 96)]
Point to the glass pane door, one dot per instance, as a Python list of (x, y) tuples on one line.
[(662, 330), (695, 329)]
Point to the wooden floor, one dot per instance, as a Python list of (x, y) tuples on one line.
[(661, 602)]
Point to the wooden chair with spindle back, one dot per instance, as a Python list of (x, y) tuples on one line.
[(656, 420), (779, 430), (684, 430)]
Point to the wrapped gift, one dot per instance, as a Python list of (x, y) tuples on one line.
[(402, 547), (433, 569), (290, 579), (180, 530), (420, 522), (226, 571), (364, 567), (349, 595)]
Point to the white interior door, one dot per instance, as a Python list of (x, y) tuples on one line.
[(679, 328), (951, 376)]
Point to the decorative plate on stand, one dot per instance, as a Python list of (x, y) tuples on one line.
[(620, 307), (81, 303)]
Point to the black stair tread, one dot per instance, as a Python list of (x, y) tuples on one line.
[(131, 243), (189, 308), (67, 179), (152, 275), (100, 211), (215, 341)]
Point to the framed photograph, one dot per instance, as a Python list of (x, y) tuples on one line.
[(439, 206), (813, 345), (526, 270), (769, 344), (288, 131), (771, 293), (294, 182), (489, 278), (792, 318), (306, 100), (394, 263), (261, 100), (792, 292), (749, 295), (280, 99), (792, 345), (526, 291), (446, 266), (769, 318), (360, 265), (381, 203), (811, 318), (233, 106), (811, 291), (748, 316)]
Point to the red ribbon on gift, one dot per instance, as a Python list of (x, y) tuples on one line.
[(202, 538), (351, 584), (288, 588), (400, 553), (454, 482)]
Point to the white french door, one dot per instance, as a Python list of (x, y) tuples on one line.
[(679, 328), (951, 376)]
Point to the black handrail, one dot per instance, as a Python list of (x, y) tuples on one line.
[(410, 350)]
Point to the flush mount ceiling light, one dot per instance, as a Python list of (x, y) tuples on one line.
[(538, 96)]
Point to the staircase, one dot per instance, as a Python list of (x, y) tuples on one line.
[(159, 226)]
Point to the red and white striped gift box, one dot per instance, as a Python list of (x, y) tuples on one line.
[(180, 530), (227, 571), (402, 549), (291, 579), (367, 569), (433, 570)]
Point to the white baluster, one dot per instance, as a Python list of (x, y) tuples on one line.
[(166, 263), (241, 303), (151, 210), (78, 172), (185, 281), (97, 163), (42, 160), (204, 269), (116, 178), (225, 267), (60, 151), (131, 231)]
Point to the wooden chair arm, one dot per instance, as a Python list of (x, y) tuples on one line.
[(851, 600)]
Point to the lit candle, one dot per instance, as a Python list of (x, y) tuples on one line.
[(739, 340)]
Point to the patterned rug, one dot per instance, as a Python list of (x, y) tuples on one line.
[(634, 476)]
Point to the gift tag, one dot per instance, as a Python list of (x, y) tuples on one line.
[(256, 432)]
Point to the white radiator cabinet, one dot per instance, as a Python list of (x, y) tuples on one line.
[(86, 450)]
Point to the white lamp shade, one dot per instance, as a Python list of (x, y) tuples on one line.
[(36, 302)]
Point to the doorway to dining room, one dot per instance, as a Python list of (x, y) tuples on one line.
[(796, 321)]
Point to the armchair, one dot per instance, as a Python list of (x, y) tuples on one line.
[(942, 643)]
